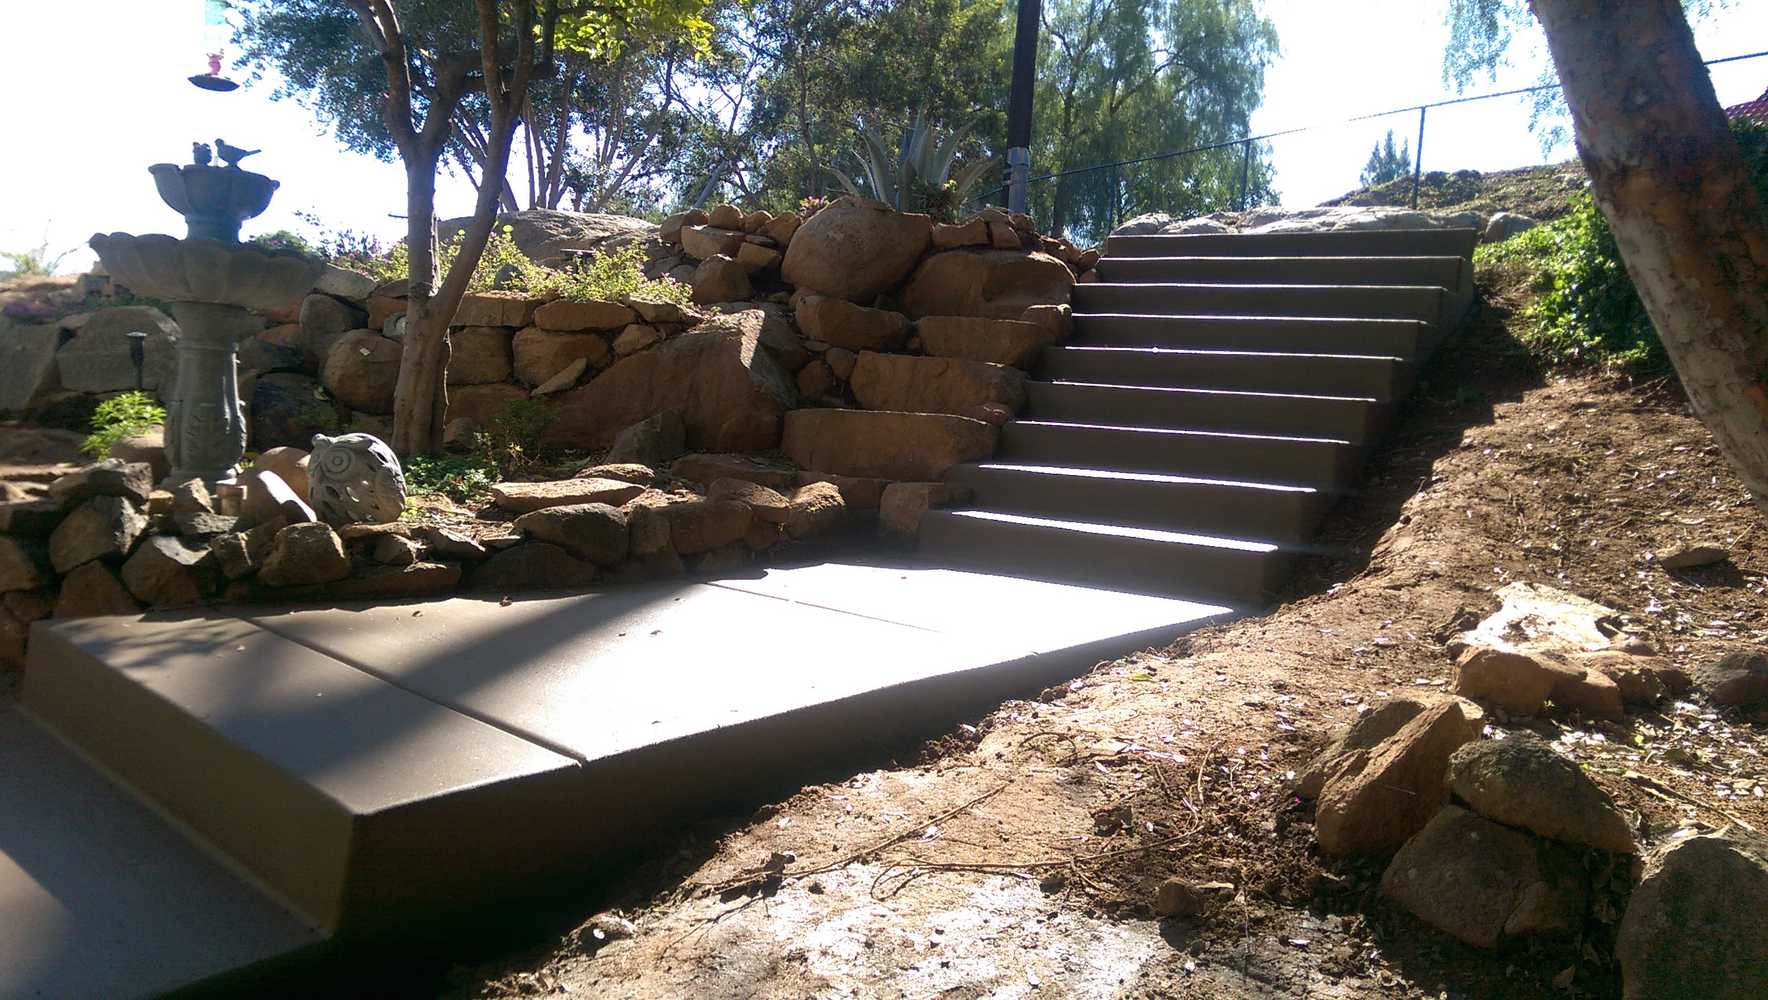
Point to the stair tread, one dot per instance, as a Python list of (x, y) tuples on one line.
[(1206, 391), (1222, 352), (1185, 432), (1116, 530), (1126, 475)]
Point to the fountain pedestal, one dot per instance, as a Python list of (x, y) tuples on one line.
[(205, 422)]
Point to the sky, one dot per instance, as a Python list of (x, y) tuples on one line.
[(108, 96)]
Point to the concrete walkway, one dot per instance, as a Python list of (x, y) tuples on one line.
[(354, 772)]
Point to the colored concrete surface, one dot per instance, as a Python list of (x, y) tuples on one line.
[(101, 898)]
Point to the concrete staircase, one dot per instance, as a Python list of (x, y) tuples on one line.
[(1220, 393)]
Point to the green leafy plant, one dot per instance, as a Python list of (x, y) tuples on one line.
[(612, 274), (118, 417), (512, 443), (458, 477), (920, 177), (35, 262), (1586, 310)]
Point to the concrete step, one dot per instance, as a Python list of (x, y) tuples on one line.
[(1340, 243), (1441, 272), (1325, 464), (1237, 573), (1344, 418), (1369, 376), (1286, 515), (1415, 302), (358, 805), (1400, 338)]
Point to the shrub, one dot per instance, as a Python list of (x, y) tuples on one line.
[(1586, 310), (512, 442), (119, 417), (460, 478)]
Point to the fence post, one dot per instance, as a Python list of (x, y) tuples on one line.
[(1019, 105), (1418, 157), (1111, 185), (1245, 171)]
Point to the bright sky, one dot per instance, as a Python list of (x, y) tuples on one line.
[(106, 96)]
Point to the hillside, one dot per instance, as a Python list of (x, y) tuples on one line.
[(1538, 192)]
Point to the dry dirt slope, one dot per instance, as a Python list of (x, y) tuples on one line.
[(1018, 858)]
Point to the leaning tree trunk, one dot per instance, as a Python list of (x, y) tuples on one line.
[(1671, 181), (420, 400)]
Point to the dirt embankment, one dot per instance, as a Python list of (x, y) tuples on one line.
[(1541, 193), (1019, 856)]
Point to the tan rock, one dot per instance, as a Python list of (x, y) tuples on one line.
[(289, 463), (268, 497), (520, 498), (1522, 781), (757, 220), (593, 531), (24, 564), (495, 309), (703, 525), (910, 383), (720, 278), (782, 228), (1368, 731), (532, 566), (816, 508), (840, 361), (567, 377), (635, 338), (660, 311), (304, 554), (726, 217), (729, 392), (92, 591), (854, 249), (670, 230), (815, 380), (767, 504), (1640, 679), (999, 284), (165, 572), (384, 582), (1057, 318), (626, 472), (100, 528), (842, 324), (709, 468), (1384, 795), (1516, 682), (109, 478), (973, 232), (540, 354), (702, 242), (756, 259), (1002, 237), (858, 492), (902, 504), (478, 354), (30, 518), (884, 444), (482, 404), (562, 316), (362, 370)]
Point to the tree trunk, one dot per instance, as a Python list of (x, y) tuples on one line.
[(420, 400), (1668, 176)]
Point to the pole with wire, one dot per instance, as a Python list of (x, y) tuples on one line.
[(1019, 104)]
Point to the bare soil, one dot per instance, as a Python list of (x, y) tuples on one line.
[(1540, 193), (1018, 856)]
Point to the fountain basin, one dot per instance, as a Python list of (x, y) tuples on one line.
[(205, 270), (213, 200)]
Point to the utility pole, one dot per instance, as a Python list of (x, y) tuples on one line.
[(1019, 103)]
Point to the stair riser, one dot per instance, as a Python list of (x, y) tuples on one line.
[(1322, 466), (1197, 508), (1232, 577), (1440, 272), (1391, 338), (1368, 243), (1350, 420), (1230, 300), (1374, 378)]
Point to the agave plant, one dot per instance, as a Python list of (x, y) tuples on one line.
[(920, 176)]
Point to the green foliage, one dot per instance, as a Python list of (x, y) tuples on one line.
[(460, 478), (1387, 163), (284, 239), (121, 416), (1586, 310), (512, 443), (612, 274), (919, 178), (35, 262)]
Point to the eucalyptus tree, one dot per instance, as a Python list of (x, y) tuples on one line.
[(1123, 79)]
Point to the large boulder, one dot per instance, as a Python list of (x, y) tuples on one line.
[(1377, 798), (885, 444), (521, 498), (362, 371), (100, 528), (478, 354), (706, 242), (729, 392), (165, 571), (1697, 925), (1361, 736), (532, 566), (304, 554), (545, 234), (654, 441), (999, 284), (935, 385), (482, 404), (541, 354), (1481, 882), (1521, 781), (999, 341), (97, 358), (1737, 679), (566, 316), (93, 590), (840, 323), (854, 249), (593, 531), (323, 320), (28, 371), (287, 410), (720, 278)]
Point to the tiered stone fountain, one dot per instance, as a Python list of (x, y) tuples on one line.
[(212, 283)]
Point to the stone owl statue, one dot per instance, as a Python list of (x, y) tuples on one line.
[(355, 479)]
